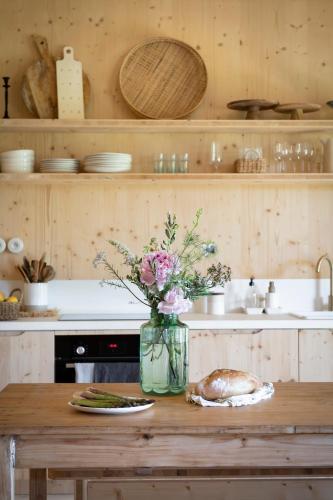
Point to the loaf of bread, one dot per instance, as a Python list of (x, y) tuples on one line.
[(224, 383)]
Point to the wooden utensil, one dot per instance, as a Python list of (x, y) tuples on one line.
[(252, 107), (69, 86), (39, 84), (48, 274), (26, 268), (163, 78), (297, 109), (23, 274), (35, 268)]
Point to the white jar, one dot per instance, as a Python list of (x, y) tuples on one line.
[(215, 303), (35, 296), (200, 305)]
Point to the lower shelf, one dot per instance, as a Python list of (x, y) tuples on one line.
[(207, 178)]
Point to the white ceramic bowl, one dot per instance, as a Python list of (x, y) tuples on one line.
[(18, 169), (14, 152)]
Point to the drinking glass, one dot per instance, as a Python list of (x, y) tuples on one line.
[(216, 156), (183, 163), (159, 163), (279, 154), (309, 156)]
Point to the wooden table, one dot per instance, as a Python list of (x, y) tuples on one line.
[(38, 430)]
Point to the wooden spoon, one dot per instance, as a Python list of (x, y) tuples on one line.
[(23, 274)]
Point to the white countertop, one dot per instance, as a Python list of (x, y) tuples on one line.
[(232, 321)]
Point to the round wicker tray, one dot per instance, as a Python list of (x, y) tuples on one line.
[(163, 78)]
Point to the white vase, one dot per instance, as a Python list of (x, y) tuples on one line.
[(35, 296)]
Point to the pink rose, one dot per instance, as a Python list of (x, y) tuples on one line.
[(174, 302)]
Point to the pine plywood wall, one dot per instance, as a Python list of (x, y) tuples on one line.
[(276, 49)]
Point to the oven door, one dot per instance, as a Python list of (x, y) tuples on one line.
[(97, 358)]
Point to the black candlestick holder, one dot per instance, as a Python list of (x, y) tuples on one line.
[(6, 86)]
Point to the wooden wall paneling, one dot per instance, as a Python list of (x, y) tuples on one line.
[(294, 63), (275, 231), (270, 354), (214, 490), (315, 355)]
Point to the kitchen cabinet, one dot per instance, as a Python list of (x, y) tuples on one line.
[(270, 354), (315, 355), (214, 490), (26, 357)]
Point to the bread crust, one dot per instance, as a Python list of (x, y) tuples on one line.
[(223, 383)]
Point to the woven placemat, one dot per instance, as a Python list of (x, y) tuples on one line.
[(49, 313)]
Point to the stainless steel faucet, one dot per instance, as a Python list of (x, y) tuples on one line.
[(330, 297)]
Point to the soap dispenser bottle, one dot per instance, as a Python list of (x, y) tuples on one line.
[(271, 299), (252, 294)]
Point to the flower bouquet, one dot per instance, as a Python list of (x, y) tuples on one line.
[(169, 284)]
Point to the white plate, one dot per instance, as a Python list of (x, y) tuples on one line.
[(109, 155), (111, 411), (106, 170)]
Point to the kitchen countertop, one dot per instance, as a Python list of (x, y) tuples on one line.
[(230, 321)]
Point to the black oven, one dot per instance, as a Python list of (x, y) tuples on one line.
[(101, 358)]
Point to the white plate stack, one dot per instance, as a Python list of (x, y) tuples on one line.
[(108, 162), (59, 166)]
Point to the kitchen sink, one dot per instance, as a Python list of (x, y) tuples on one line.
[(315, 314)]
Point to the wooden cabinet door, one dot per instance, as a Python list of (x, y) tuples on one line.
[(270, 354), (26, 357), (316, 355)]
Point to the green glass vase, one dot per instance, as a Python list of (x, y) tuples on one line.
[(163, 355)]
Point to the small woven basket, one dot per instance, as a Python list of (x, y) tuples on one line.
[(246, 166), (11, 310)]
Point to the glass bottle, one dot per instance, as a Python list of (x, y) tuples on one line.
[(163, 355)]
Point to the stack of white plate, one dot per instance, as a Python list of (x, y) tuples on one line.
[(59, 166), (108, 162), (17, 161)]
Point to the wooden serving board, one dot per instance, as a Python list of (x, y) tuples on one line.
[(69, 86), (38, 89)]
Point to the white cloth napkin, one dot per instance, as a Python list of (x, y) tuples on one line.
[(265, 392)]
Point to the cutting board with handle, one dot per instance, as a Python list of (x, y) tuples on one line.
[(39, 84), (39, 90), (70, 86)]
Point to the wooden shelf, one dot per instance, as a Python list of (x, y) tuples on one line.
[(162, 126), (205, 178)]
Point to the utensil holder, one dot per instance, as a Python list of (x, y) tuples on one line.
[(35, 296)]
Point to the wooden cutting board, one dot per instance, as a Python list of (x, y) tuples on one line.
[(69, 86), (39, 84), (39, 89)]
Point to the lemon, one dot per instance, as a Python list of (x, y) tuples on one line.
[(2, 296), (12, 299)]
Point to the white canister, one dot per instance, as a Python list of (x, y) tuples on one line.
[(35, 296), (215, 303)]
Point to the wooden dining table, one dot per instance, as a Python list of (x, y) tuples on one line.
[(290, 432)]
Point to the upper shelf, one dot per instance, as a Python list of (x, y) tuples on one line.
[(160, 126)]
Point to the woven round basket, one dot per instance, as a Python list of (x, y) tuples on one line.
[(11, 310), (163, 78)]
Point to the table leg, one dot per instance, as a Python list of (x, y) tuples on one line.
[(7, 462), (38, 484)]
